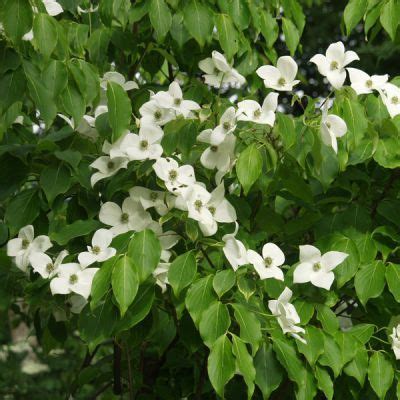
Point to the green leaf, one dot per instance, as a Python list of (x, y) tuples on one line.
[(390, 17), (249, 167), (12, 87), (215, 322), (362, 332), (250, 327), (356, 121), (221, 364), (227, 35), (331, 356), (269, 373), (327, 318), (292, 35), (380, 374), (16, 18), (269, 27), (76, 229), (198, 20), (224, 281), (182, 271), (357, 368), (145, 250), (199, 297), (160, 18), (353, 13), (73, 103), (370, 281), (54, 181), (45, 33), (55, 77), (101, 282), (315, 344), (244, 363), (238, 10), (324, 382), (119, 109), (348, 346), (124, 282), (393, 278)]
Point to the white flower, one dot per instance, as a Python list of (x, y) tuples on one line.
[(153, 113), (234, 250), (76, 303), (106, 167), (44, 265), (332, 65), (391, 98), (89, 10), (173, 99), (286, 314), (268, 265), (116, 77), (363, 83), (219, 72), (28, 36), (52, 7), (250, 110), (26, 244), (227, 124), (150, 198), (86, 126), (167, 239), (396, 341), (317, 268), (99, 251), (196, 198), (174, 176), (217, 156), (161, 275), (73, 279), (282, 77), (332, 127), (131, 217)]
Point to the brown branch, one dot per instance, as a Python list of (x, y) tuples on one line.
[(117, 387)]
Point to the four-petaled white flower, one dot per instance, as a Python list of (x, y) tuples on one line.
[(106, 167), (332, 64), (151, 198), (332, 127), (173, 99), (116, 77), (391, 98), (268, 265), (22, 247), (396, 341), (167, 239), (44, 265), (174, 176), (100, 250), (219, 71), (250, 110), (286, 314), (53, 8), (227, 124), (317, 268), (153, 113), (363, 83), (73, 279), (234, 250), (131, 217), (282, 77)]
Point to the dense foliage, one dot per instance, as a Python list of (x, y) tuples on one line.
[(189, 212)]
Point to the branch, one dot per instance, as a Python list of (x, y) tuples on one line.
[(117, 388)]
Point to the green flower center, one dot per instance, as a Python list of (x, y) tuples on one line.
[(124, 218), (212, 210), (25, 243), (172, 174), (177, 102), (214, 148), (395, 100), (73, 279), (96, 250), (268, 261), (50, 267), (257, 113), (334, 65), (198, 204), (281, 81), (226, 125), (157, 114), (328, 125), (110, 165), (153, 196), (144, 144), (369, 83), (317, 266), (216, 71)]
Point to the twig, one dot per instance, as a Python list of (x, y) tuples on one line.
[(117, 388), (202, 378), (130, 382), (100, 391)]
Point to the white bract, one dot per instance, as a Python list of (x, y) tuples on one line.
[(44, 265), (332, 64), (268, 265), (22, 247), (250, 110), (174, 176), (332, 127), (53, 8), (167, 239), (152, 113), (73, 279), (391, 98), (363, 83), (227, 124), (173, 99), (100, 250), (161, 276), (131, 217), (396, 341), (282, 77), (234, 250), (286, 314), (116, 77), (317, 268), (219, 71), (107, 167), (150, 198)]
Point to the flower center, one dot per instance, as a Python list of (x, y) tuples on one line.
[(172, 174), (317, 266), (198, 204), (96, 250), (124, 218), (212, 210), (328, 125), (144, 144), (25, 243), (214, 148), (153, 196), (110, 165), (226, 125), (368, 83), (395, 100), (157, 114), (334, 65), (257, 113), (216, 71), (281, 81), (268, 261), (177, 102), (50, 267), (73, 279)]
